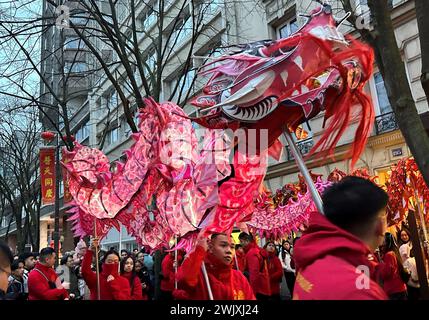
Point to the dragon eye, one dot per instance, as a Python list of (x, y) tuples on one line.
[(353, 77)]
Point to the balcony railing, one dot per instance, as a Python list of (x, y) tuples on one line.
[(303, 146), (385, 123)]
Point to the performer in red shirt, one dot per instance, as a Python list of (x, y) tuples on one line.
[(256, 266), (240, 257), (112, 285), (169, 275), (225, 282)]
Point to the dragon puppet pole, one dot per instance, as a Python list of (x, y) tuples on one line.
[(206, 278), (97, 267), (302, 167), (175, 261)]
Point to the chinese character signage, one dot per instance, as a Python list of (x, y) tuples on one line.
[(65, 160), (47, 174)]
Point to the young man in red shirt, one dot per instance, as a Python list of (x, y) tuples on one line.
[(256, 267), (225, 282), (334, 258), (43, 282)]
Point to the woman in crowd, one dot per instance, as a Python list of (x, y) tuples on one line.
[(112, 285), (67, 274), (391, 270), (286, 259), (409, 263), (275, 270), (128, 271)]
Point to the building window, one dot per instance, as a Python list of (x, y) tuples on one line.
[(83, 132), (182, 31), (79, 18), (122, 10), (208, 8), (149, 17), (75, 67), (187, 79), (74, 43), (287, 29), (382, 99), (185, 82), (151, 63), (112, 100), (112, 136)]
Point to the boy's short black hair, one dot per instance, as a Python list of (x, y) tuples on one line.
[(353, 202), (245, 236)]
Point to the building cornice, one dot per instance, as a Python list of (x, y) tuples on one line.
[(389, 138)]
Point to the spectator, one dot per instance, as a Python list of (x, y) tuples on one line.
[(135, 251), (29, 263), (404, 237), (392, 271), (332, 256), (226, 283), (128, 271), (286, 259), (43, 282), (275, 270), (147, 262), (80, 251), (124, 254), (256, 267), (6, 259), (409, 263), (67, 274), (143, 275), (84, 292), (15, 289), (112, 285)]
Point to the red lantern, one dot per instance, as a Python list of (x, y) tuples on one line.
[(48, 136)]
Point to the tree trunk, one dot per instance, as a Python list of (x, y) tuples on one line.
[(422, 8), (419, 256), (397, 86)]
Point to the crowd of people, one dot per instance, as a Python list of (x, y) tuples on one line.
[(350, 235)]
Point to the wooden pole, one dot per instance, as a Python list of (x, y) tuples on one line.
[(97, 267), (175, 262)]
